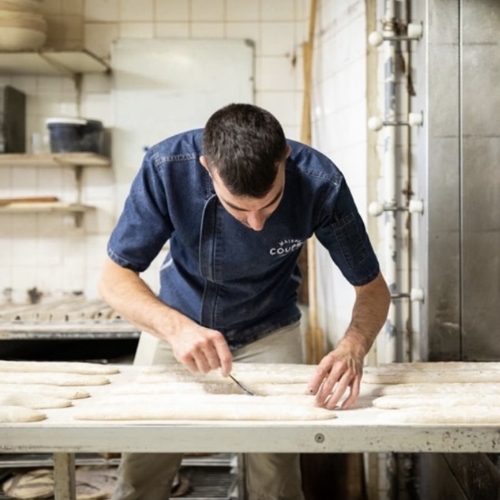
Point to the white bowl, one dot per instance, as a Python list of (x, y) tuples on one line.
[(27, 20), (21, 5), (15, 38)]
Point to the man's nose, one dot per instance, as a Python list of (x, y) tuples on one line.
[(256, 220)]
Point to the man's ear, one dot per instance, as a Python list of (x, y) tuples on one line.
[(204, 162), (288, 151)]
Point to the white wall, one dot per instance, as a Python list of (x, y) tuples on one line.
[(48, 251), (340, 132)]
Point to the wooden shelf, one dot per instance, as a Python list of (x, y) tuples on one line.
[(54, 160), (73, 160), (54, 206), (51, 62)]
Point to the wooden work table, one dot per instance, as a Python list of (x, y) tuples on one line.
[(364, 428)]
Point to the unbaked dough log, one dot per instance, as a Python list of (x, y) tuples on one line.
[(239, 367), (436, 401), (440, 366), (182, 400), (57, 367), (203, 412), (70, 379), (47, 390), (37, 483), (394, 374), (460, 415), (209, 388), (90, 484), (32, 400), (448, 388), (249, 373), (18, 414)]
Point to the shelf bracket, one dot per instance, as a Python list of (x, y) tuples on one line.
[(59, 67), (78, 180)]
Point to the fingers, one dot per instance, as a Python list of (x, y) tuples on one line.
[(224, 356), (355, 387), (205, 353), (335, 378)]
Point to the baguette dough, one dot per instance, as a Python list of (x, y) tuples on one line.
[(17, 414), (52, 379), (32, 400), (239, 367), (195, 411), (209, 388), (378, 375), (448, 388), (247, 378), (48, 390), (249, 373), (37, 483), (439, 366), (435, 401), (183, 400), (57, 367), (461, 415), (90, 484)]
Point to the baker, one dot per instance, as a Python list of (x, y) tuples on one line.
[(237, 200)]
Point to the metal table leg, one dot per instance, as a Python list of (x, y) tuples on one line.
[(64, 476), (242, 486)]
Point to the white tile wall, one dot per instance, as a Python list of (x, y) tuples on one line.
[(132, 10), (242, 10), (340, 132), (172, 10), (48, 251), (100, 10), (203, 11), (172, 30), (136, 30)]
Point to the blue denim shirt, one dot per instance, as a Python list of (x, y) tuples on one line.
[(220, 273)]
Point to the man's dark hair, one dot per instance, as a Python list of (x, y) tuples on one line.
[(245, 144)]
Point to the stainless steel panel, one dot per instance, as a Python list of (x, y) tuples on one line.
[(458, 476), (481, 21), (460, 251), (440, 226), (443, 21), (443, 91), (443, 244), (443, 299), (436, 480), (481, 83), (480, 105), (481, 188)]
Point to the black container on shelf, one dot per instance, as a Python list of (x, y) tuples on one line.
[(74, 135), (12, 120)]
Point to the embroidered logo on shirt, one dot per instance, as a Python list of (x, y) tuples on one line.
[(286, 246)]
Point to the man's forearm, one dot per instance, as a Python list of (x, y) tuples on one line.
[(369, 314), (129, 295)]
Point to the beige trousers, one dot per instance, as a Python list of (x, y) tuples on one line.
[(269, 476)]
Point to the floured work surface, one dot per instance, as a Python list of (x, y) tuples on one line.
[(164, 409)]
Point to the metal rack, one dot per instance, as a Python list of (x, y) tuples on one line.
[(68, 318), (212, 477)]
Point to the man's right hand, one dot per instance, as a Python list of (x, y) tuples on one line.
[(201, 349)]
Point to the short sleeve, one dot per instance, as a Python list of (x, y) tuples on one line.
[(342, 232), (144, 225)]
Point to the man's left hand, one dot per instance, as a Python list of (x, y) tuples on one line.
[(337, 372)]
